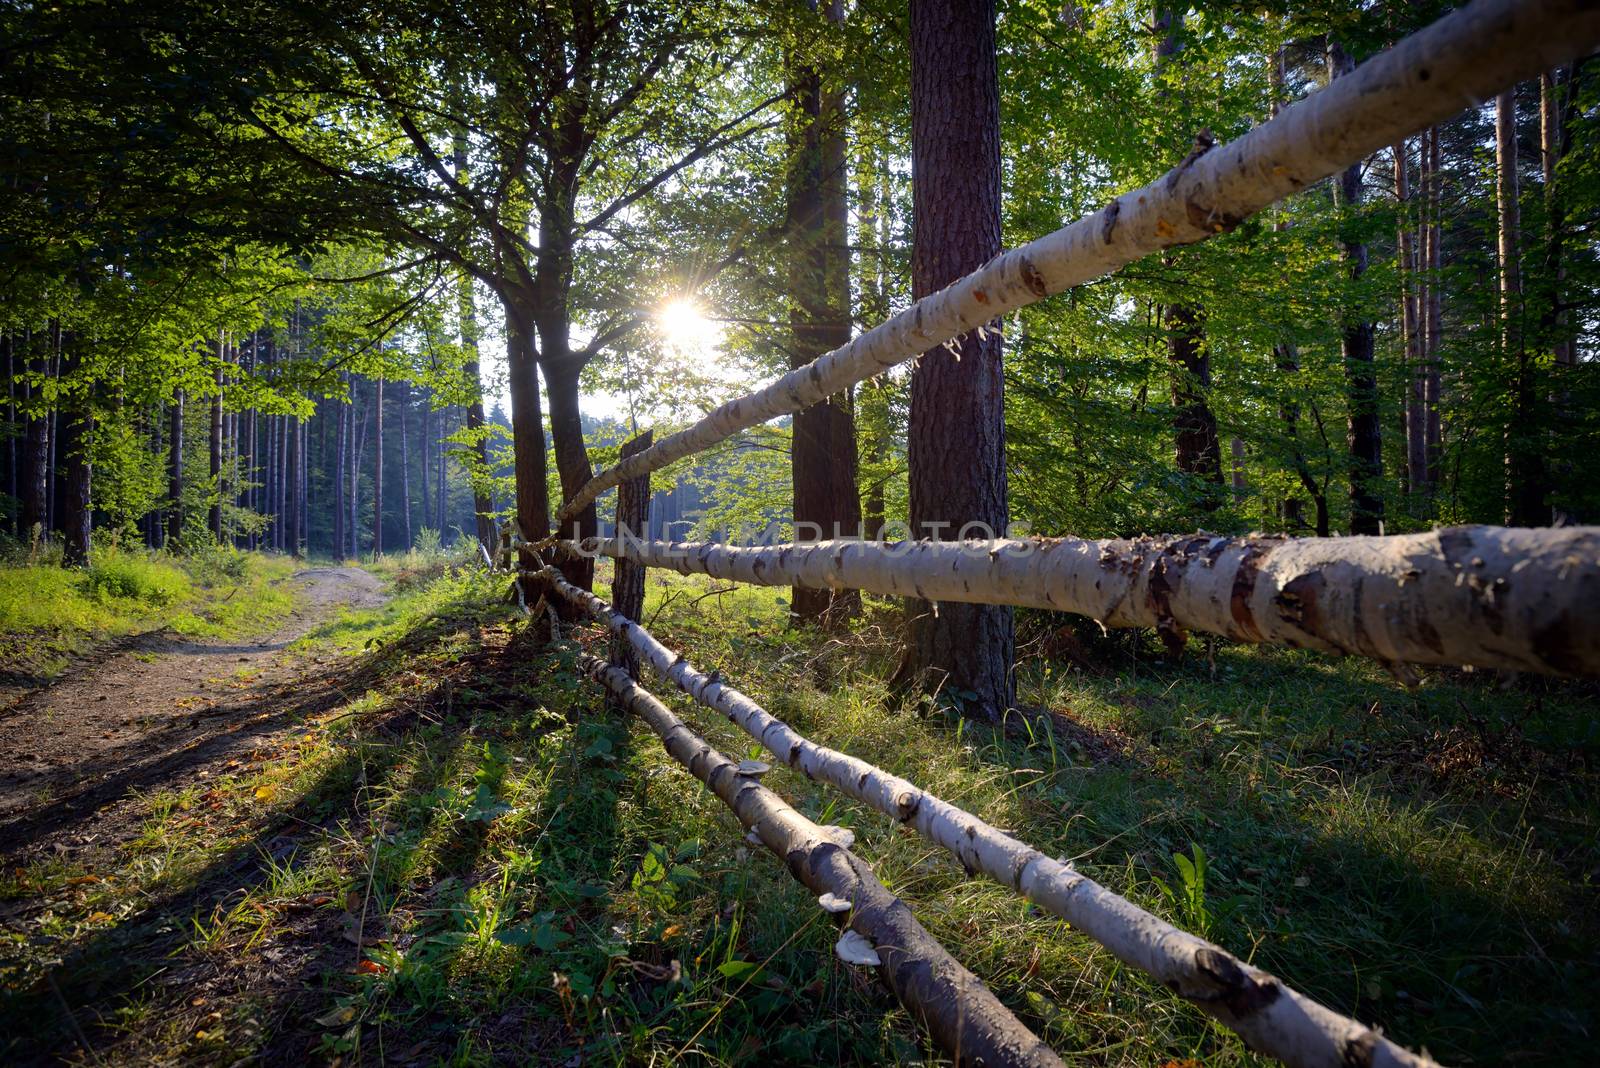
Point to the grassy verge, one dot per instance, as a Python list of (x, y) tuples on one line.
[(461, 857), (48, 613)]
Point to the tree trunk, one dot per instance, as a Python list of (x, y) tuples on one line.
[(956, 440), (1365, 431), (214, 519), (1411, 342), (13, 486), (292, 456), (483, 507), (1556, 95), (530, 463), (341, 444), (77, 424), (1198, 447), (566, 433), (424, 446), (1435, 314), (1525, 491), (405, 464), (35, 504), (627, 581), (377, 469), (823, 450)]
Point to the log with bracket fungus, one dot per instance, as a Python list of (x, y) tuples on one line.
[(951, 1003), (1271, 1017), (1464, 58), (1490, 597)]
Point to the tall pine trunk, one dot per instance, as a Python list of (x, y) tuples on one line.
[(823, 462), (77, 423), (1365, 432), (424, 445), (957, 433), (377, 470), (35, 504), (1525, 494), (1434, 326), (405, 464), (1416, 400), (214, 520), (175, 471)]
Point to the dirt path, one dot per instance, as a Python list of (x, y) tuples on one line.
[(153, 714)]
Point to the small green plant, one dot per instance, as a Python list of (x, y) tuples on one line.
[(1189, 899)]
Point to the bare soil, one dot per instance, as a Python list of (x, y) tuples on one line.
[(154, 711)]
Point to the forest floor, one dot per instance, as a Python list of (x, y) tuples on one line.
[(152, 710), (404, 831)]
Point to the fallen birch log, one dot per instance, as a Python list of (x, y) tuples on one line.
[(1520, 599), (1466, 57), (1271, 1018), (951, 1003)]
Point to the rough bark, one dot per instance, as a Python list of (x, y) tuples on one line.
[(340, 445), (566, 436), (1270, 1016), (527, 434), (1518, 599), (214, 516), (405, 464), (482, 506), (35, 504), (627, 580), (950, 1003), (1364, 430), (956, 439), (823, 464), (76, 426), (1435, 312), (377, 470), (1469, 54), (1556, 95), (1525, 492), (425, 446), (1416, 400), (175, 471), (1198, 448)]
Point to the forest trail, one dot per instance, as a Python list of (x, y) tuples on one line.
[(156, 711)]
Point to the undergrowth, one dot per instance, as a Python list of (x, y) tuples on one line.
[(463, 857), (48, 612)]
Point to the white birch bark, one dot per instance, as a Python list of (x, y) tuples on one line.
[(1465, 57), (1512, 598), (950, 1002), (1267, 1014)]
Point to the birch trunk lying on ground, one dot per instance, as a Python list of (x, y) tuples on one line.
[(951, 1003), (1268, 1015), (1522, 599), (1464, 58)]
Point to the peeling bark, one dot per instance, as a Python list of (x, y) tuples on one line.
[(1272, 1018), (1491, 597), (1470, 54), (950, 1002)]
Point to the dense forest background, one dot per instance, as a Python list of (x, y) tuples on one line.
[(249, 294)]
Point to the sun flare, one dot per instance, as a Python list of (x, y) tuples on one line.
[(685, 327)]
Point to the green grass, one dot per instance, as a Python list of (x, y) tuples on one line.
[(534, 880), (48, 612)]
